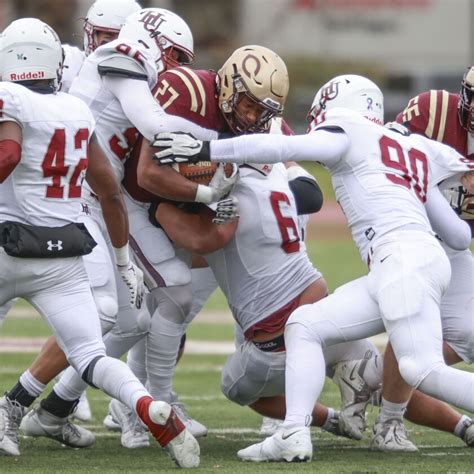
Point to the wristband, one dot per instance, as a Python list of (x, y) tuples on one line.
[(122, 256), (204, 194)]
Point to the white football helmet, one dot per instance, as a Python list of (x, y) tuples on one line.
[(165, 34), (106, 16), (31, 50), (350, 92)]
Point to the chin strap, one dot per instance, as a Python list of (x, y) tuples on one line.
[(40, 87)]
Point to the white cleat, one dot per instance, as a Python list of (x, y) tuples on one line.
[(134, 434), (183, 448), (293, 445), (40, 423), (11, 414), (391, 436), (468, 435), (355, 396), (83, 409), (198, 430), (269, 426), (110, 423)]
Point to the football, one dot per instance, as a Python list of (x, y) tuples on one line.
[(200, 172)]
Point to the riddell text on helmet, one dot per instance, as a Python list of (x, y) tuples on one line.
[(24, 76)]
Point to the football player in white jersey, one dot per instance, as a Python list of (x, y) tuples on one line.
[(48, 147), (101, 25), (386, 187), (263, 269), (151, 41)]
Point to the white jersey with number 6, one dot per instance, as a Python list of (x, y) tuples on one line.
[(47, 181), (264, 266)]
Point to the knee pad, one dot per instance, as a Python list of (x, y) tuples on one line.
[(174, 303), (107, 308), (89, 371), (413, 371)]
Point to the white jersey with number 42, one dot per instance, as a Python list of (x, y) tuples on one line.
[(382, 180), (55, 134)]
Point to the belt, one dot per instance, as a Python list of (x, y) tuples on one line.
[(273, 345)]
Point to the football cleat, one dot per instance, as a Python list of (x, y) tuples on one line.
[(110, 423), (11, 414), (292, 445), (40, 423), (198, 430), (134, 434), (468, 434), (83, 409), (269, 426), (391, 436), (355, 396), (171, 434)]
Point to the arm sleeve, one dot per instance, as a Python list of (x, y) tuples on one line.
[(455, 232), (324, 146), (308, 195), (146, 114)]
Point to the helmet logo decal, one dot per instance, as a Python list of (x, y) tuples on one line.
[(370, 101), (330, 92), (152, 21), (253, 61)]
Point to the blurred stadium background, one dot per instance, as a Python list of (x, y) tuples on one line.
[(406, 45)]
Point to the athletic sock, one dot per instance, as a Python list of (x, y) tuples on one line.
[(21, 395), (463, 423), (164, 433), (391, 410), (31, 384), (57, 406)]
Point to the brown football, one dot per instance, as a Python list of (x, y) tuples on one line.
[(200, 172)]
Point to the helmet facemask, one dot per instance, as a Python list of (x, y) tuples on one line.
[(466, 97), (265, 109)]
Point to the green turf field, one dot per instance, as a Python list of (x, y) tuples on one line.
[(231, 427)]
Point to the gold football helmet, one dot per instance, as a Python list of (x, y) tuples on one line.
[(252, 86)]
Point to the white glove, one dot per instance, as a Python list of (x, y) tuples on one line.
[(219, 187), (133, 278), (221, 184), (179, 147), (227, 210)]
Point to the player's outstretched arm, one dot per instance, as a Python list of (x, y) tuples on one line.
[(324, 146), (146, 113)]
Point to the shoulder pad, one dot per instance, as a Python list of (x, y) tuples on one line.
[(122, 66)]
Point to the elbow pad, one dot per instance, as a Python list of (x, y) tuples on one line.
[(308, 195)]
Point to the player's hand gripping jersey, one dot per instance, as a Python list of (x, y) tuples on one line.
[(51, 170)]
